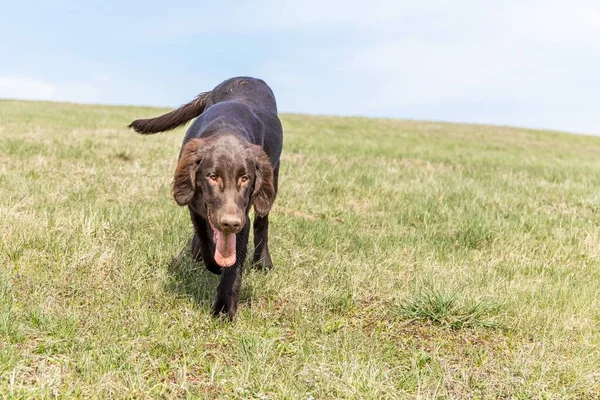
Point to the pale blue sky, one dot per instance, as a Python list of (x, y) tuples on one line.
[(531, 63)]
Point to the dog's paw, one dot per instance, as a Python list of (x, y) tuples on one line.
[(262, 262), (226, 305)]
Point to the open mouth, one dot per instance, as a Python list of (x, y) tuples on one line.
[(224, 245)]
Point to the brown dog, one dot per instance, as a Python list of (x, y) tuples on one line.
[(229, 161)]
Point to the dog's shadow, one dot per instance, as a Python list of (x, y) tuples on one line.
[(190, 278)]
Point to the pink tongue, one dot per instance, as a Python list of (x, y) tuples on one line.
[(225, 248)]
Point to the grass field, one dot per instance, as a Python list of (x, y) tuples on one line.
[(412, 260)]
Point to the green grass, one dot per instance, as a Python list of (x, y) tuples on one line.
[(448, 311), (412, 260)]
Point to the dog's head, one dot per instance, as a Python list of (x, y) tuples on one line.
[(220, 177)]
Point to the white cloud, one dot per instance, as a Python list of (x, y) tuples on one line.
[(26, 88), (33, 89), (538, 59), (545, 20)]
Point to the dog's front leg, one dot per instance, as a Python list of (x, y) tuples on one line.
[(226, 301), (262, 258)]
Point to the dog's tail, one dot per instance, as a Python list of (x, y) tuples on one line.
[(173, 119)]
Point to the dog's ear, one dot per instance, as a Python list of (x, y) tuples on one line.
[(184, 182), (263, 195)]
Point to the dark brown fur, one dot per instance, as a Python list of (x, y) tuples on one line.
[(173, 119), (228, 162)]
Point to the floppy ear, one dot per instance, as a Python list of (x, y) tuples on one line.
[(263, 195), (184, 182)]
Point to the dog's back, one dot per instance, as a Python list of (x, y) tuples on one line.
[(241, 101), (247, 103), (253, 92)]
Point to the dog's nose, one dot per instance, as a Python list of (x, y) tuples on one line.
[(231, 222)]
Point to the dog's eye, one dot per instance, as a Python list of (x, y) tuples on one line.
[(245, 178), (213, 177)]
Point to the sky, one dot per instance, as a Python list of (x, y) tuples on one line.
[(526, 63)]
